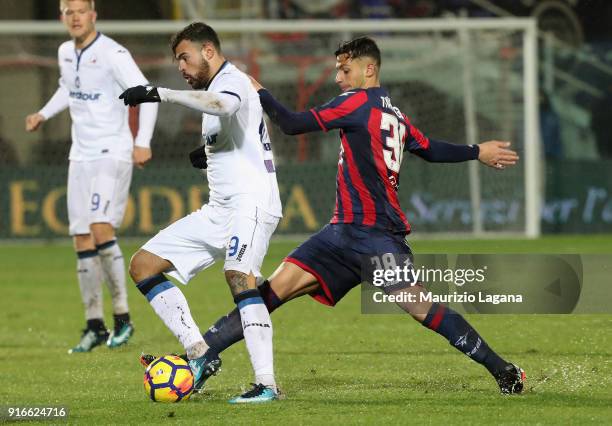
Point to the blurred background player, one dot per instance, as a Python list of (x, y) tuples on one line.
[(236, 224), (368, 219), (94, 69)]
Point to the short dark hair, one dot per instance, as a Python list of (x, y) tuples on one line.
[(196, 31), (360, 47)]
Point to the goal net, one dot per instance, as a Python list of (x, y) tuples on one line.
[(459, 80)]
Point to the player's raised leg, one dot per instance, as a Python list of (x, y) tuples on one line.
[(287, 282), (462, 336), (169, 303)]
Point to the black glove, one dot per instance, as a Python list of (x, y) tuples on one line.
[(198, 158), (140, 94)]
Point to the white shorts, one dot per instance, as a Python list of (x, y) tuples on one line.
[(97, 193), (195, 242)]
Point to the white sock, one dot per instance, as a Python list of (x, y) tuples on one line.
[(89, 272), (257, 329), (114, 271), (170, 305)]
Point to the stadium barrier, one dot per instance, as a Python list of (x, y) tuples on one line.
[(33, 204)]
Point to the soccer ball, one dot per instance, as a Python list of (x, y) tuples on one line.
[(168, 379)]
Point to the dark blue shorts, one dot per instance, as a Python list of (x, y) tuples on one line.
[(334, 256)]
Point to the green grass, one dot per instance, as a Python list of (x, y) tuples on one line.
[(335, 365)]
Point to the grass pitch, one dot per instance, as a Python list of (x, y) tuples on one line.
[(334, 365)]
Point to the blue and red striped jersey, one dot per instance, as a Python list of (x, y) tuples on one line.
[(374, 135)]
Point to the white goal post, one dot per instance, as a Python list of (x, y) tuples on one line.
[(465, 38)]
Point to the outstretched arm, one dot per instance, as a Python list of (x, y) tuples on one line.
[(497, 155), (444, 152), (492, 153), (220, 104), (290, 123)]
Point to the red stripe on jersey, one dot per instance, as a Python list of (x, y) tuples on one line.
[(345, 197), (369, 209), (377, 150), (419, 137), (316, 116), (417, 134), (335, 216), (345, 108)]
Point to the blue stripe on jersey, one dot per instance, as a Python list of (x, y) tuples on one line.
[(339, 211), (357, 205)]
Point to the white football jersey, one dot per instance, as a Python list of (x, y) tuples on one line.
[(91, 81), (240, 161)]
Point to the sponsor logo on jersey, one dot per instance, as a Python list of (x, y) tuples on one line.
[(211, 140), (85, 96), (241, 252)]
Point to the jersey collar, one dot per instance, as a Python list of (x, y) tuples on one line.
[(226, 62), (79, 54)]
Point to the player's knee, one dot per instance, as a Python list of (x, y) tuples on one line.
[(239, 281), (290, 281), (102, 232), (145, 264), (138, 267), (83, 242)]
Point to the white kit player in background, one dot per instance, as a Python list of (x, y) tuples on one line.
[(94, 70), (235, 225)]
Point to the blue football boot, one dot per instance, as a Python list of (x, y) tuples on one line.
[(203, 368), (259, 394), (89, 340), (120, 337)]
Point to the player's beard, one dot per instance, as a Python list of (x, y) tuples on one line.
[(202, 77)]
